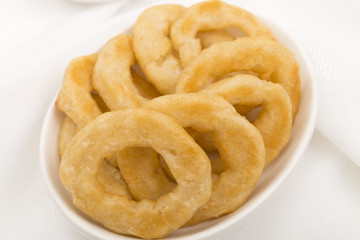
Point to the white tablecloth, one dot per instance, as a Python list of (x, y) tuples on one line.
[(319, 200)]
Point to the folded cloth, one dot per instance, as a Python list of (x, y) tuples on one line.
[(336, 70)]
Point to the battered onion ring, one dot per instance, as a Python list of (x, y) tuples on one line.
[(239, 143), (211, 15), (112, 77), (67, 132), (78, 100), (109, 175), (74, 98), (69, 129), (141, 169), (274, 121), (114, 131), (269, 59), (153, 48)]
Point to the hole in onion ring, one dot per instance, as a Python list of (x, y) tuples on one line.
[(209, 38), (217, 165), (235, 32), (110, 177), (99, 101), (251, 113), (150, 182), (206, 141), (166, 169), (232, 74), (142, 85)]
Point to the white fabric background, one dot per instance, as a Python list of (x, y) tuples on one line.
[(319, 200)]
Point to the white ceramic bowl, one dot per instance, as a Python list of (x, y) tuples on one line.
[(270, 180)]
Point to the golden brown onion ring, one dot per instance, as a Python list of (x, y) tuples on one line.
[(117, 130), (268, 59), (112, 74), (153, 48), (109, 175), (275, 119), (211, 15), (74, 98), (239, 143)]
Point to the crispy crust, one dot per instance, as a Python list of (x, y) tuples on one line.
[(114, 131), (153, 48), (211, 15), (74, 98), (112, 74), (274, 121), (239, 143), (268, 59)]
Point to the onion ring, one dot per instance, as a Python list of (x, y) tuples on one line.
[(74, 98), (69, 128), (112, 76), (269, 59), (153, 48), (211, 15), (274, 121), (78, 100), (109, 175), (67, 132), (239, 143), (116, 130)]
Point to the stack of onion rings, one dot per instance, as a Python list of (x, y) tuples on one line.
[(236, 139), (268, 59), (142, 153), (274, 121)]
